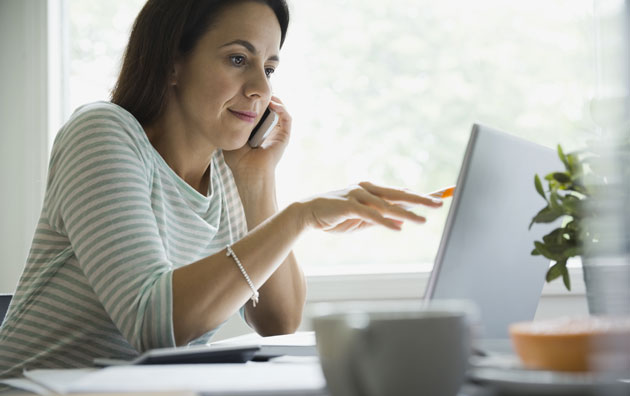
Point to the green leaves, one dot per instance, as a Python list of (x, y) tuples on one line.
[(559, 245), (557, 270), (561, 177), (539, 187), (572, 206), (563, 158), (546, 215), (564, 200)]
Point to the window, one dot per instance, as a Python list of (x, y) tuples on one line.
[(387, 92), (97, 33)]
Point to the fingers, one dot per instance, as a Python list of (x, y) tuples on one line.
[(387, 208), (400, 196), (284, 125), (350, 225), (372, 215), (279, 107), (274, 98), (357, 207)]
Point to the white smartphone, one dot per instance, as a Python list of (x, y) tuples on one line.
[(264, 127)]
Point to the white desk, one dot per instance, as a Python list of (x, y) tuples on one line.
[(199, 379), (282, 377)]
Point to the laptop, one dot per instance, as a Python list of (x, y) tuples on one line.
[(484, 254)]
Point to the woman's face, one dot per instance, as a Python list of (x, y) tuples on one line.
[(222, 86)]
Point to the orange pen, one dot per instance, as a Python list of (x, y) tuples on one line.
[(443, 193)]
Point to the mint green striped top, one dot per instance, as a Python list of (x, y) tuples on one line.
[(115, 223)]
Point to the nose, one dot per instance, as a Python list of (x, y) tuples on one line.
[(258, 85)]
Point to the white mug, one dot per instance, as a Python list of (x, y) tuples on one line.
[(411, 351)]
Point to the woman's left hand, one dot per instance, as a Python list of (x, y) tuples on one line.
[(262, 161)]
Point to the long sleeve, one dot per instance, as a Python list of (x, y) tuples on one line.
[(116, 222), (100, 197)]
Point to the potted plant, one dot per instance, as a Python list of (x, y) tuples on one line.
[(591, 197), (565, 199)]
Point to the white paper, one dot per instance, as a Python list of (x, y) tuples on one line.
[(46, 381), (297, 344), (25, 385), (56, 381), (252, 378), (301, 338)]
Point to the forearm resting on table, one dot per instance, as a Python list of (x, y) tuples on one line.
[(209, 291)]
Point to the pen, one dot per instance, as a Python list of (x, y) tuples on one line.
[(443, 193)]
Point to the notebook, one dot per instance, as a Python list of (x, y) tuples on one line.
[(484, 254)]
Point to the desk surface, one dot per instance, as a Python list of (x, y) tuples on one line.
[(467, 390), (296, 375)]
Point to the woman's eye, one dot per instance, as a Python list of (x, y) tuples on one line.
[(237, 60), (269, 71)]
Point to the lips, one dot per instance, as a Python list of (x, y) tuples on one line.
[(246, 116)]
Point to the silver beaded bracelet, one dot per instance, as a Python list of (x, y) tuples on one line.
[(255, 293)]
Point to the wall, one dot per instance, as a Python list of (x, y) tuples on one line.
[(23, 131)]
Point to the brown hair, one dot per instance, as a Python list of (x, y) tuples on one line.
[(163, 30)]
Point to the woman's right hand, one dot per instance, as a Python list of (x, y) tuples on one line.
[(364, 205)]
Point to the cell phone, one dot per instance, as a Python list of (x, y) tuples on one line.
[(264, 127)]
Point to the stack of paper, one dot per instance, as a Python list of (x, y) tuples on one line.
[(297, 344), (253, 378)]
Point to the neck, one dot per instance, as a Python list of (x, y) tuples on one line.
[(187, 153)]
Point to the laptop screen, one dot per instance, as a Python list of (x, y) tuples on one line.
[(484, 254)]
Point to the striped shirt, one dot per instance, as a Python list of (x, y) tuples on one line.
[(115, 223)]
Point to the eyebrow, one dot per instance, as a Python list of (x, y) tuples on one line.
[(250, 47)]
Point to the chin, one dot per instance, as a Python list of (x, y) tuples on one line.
[(234, 144), (233, 138)]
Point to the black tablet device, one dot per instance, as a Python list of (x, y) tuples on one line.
[(188, 355)]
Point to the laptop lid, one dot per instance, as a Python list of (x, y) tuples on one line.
[(484, 253)]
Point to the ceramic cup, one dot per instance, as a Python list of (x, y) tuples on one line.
[(411, 351)]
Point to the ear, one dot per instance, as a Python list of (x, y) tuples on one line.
[(176, 70), (172, 79)]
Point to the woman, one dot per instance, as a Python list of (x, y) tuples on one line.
[(159, 221)]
